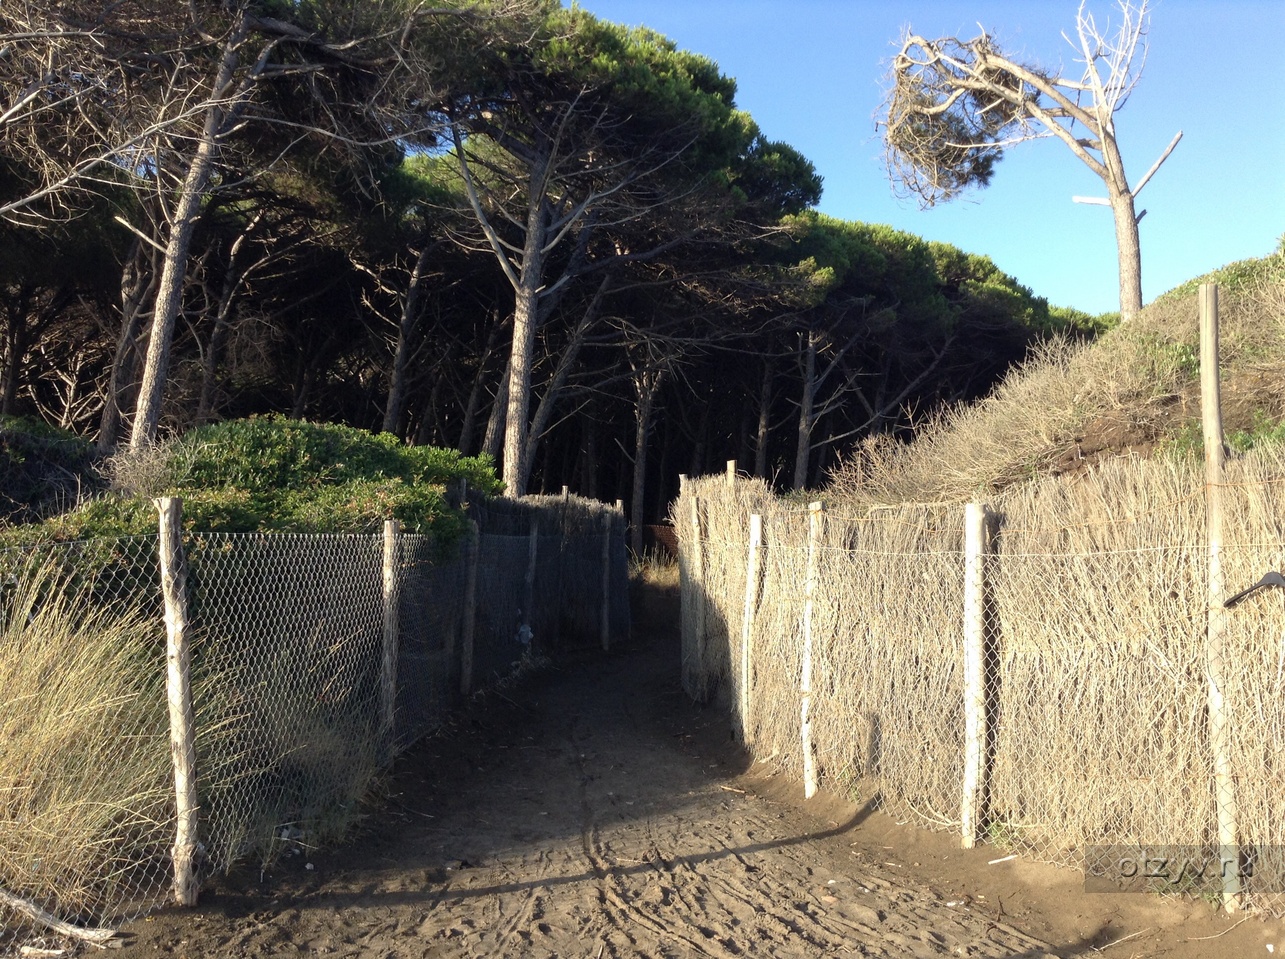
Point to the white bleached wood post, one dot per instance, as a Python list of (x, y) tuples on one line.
[(1219, 721), (388, 662), (178, 683), (815, 513), (731, 474), (975, 731), (752, 567), (469, 625)]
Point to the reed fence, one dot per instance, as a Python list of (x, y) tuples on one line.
[(310, 662), (1037, 675)]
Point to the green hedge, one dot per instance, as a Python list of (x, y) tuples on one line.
[(280, 475)]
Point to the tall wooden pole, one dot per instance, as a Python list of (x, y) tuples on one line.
[(752, 567), (533, 548), (975, 731), (1219, 725), (178, 683), (805, 678), (469, 625), (388, 661), (694, 678), (605, 620)]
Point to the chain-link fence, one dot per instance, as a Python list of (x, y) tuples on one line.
[(1120, 709), (315, 660)]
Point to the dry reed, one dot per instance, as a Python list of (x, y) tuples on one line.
[(86, 815), (1097, 662), (1034, 418)]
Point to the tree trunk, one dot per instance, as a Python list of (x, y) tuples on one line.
[(138, 282), (409, 319), (493, 441), (764, 423), (169, 293), (469, 426), (804, 445), (1129, 248), (589, 460), (16, 345), (526, 310), (562, 373), (15, 350), (646, 383)]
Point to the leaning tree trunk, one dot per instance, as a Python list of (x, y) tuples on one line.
[(405, 345), (169, 293)]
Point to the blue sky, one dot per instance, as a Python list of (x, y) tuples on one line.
[(811, 73)]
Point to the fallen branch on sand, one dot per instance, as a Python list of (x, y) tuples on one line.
[(103, 938)]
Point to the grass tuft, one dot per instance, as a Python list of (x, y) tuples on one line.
[(85, 794)]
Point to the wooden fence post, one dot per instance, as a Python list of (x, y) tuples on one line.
[(469, 625), (533, 548), (752, 567), (976, 546), (698, 592), (731, 474), (388, 663), (605, 622), (815, 511), (1219, 725), (178, 683)]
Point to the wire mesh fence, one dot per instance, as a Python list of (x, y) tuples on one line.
[(1122, 710), (316, 660), (86, 790)]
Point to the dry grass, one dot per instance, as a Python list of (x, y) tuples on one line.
[(85, 795), (1035, 417), (1098, 672)]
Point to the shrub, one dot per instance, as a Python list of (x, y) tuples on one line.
[(279, 475)]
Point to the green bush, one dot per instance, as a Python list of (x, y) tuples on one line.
[(278, 475), (1237, 276)]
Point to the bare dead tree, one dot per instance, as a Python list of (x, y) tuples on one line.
[(954, 106)]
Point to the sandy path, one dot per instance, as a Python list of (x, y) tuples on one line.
[(594, 812)]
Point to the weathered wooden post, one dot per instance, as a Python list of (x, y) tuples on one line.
[(178, 684), (752, 567), (699, 609), (532, 550), (388, 662), (1219, 721), (731, 474), (605, 620), (815, 515), (976, 546), (469, 625)]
